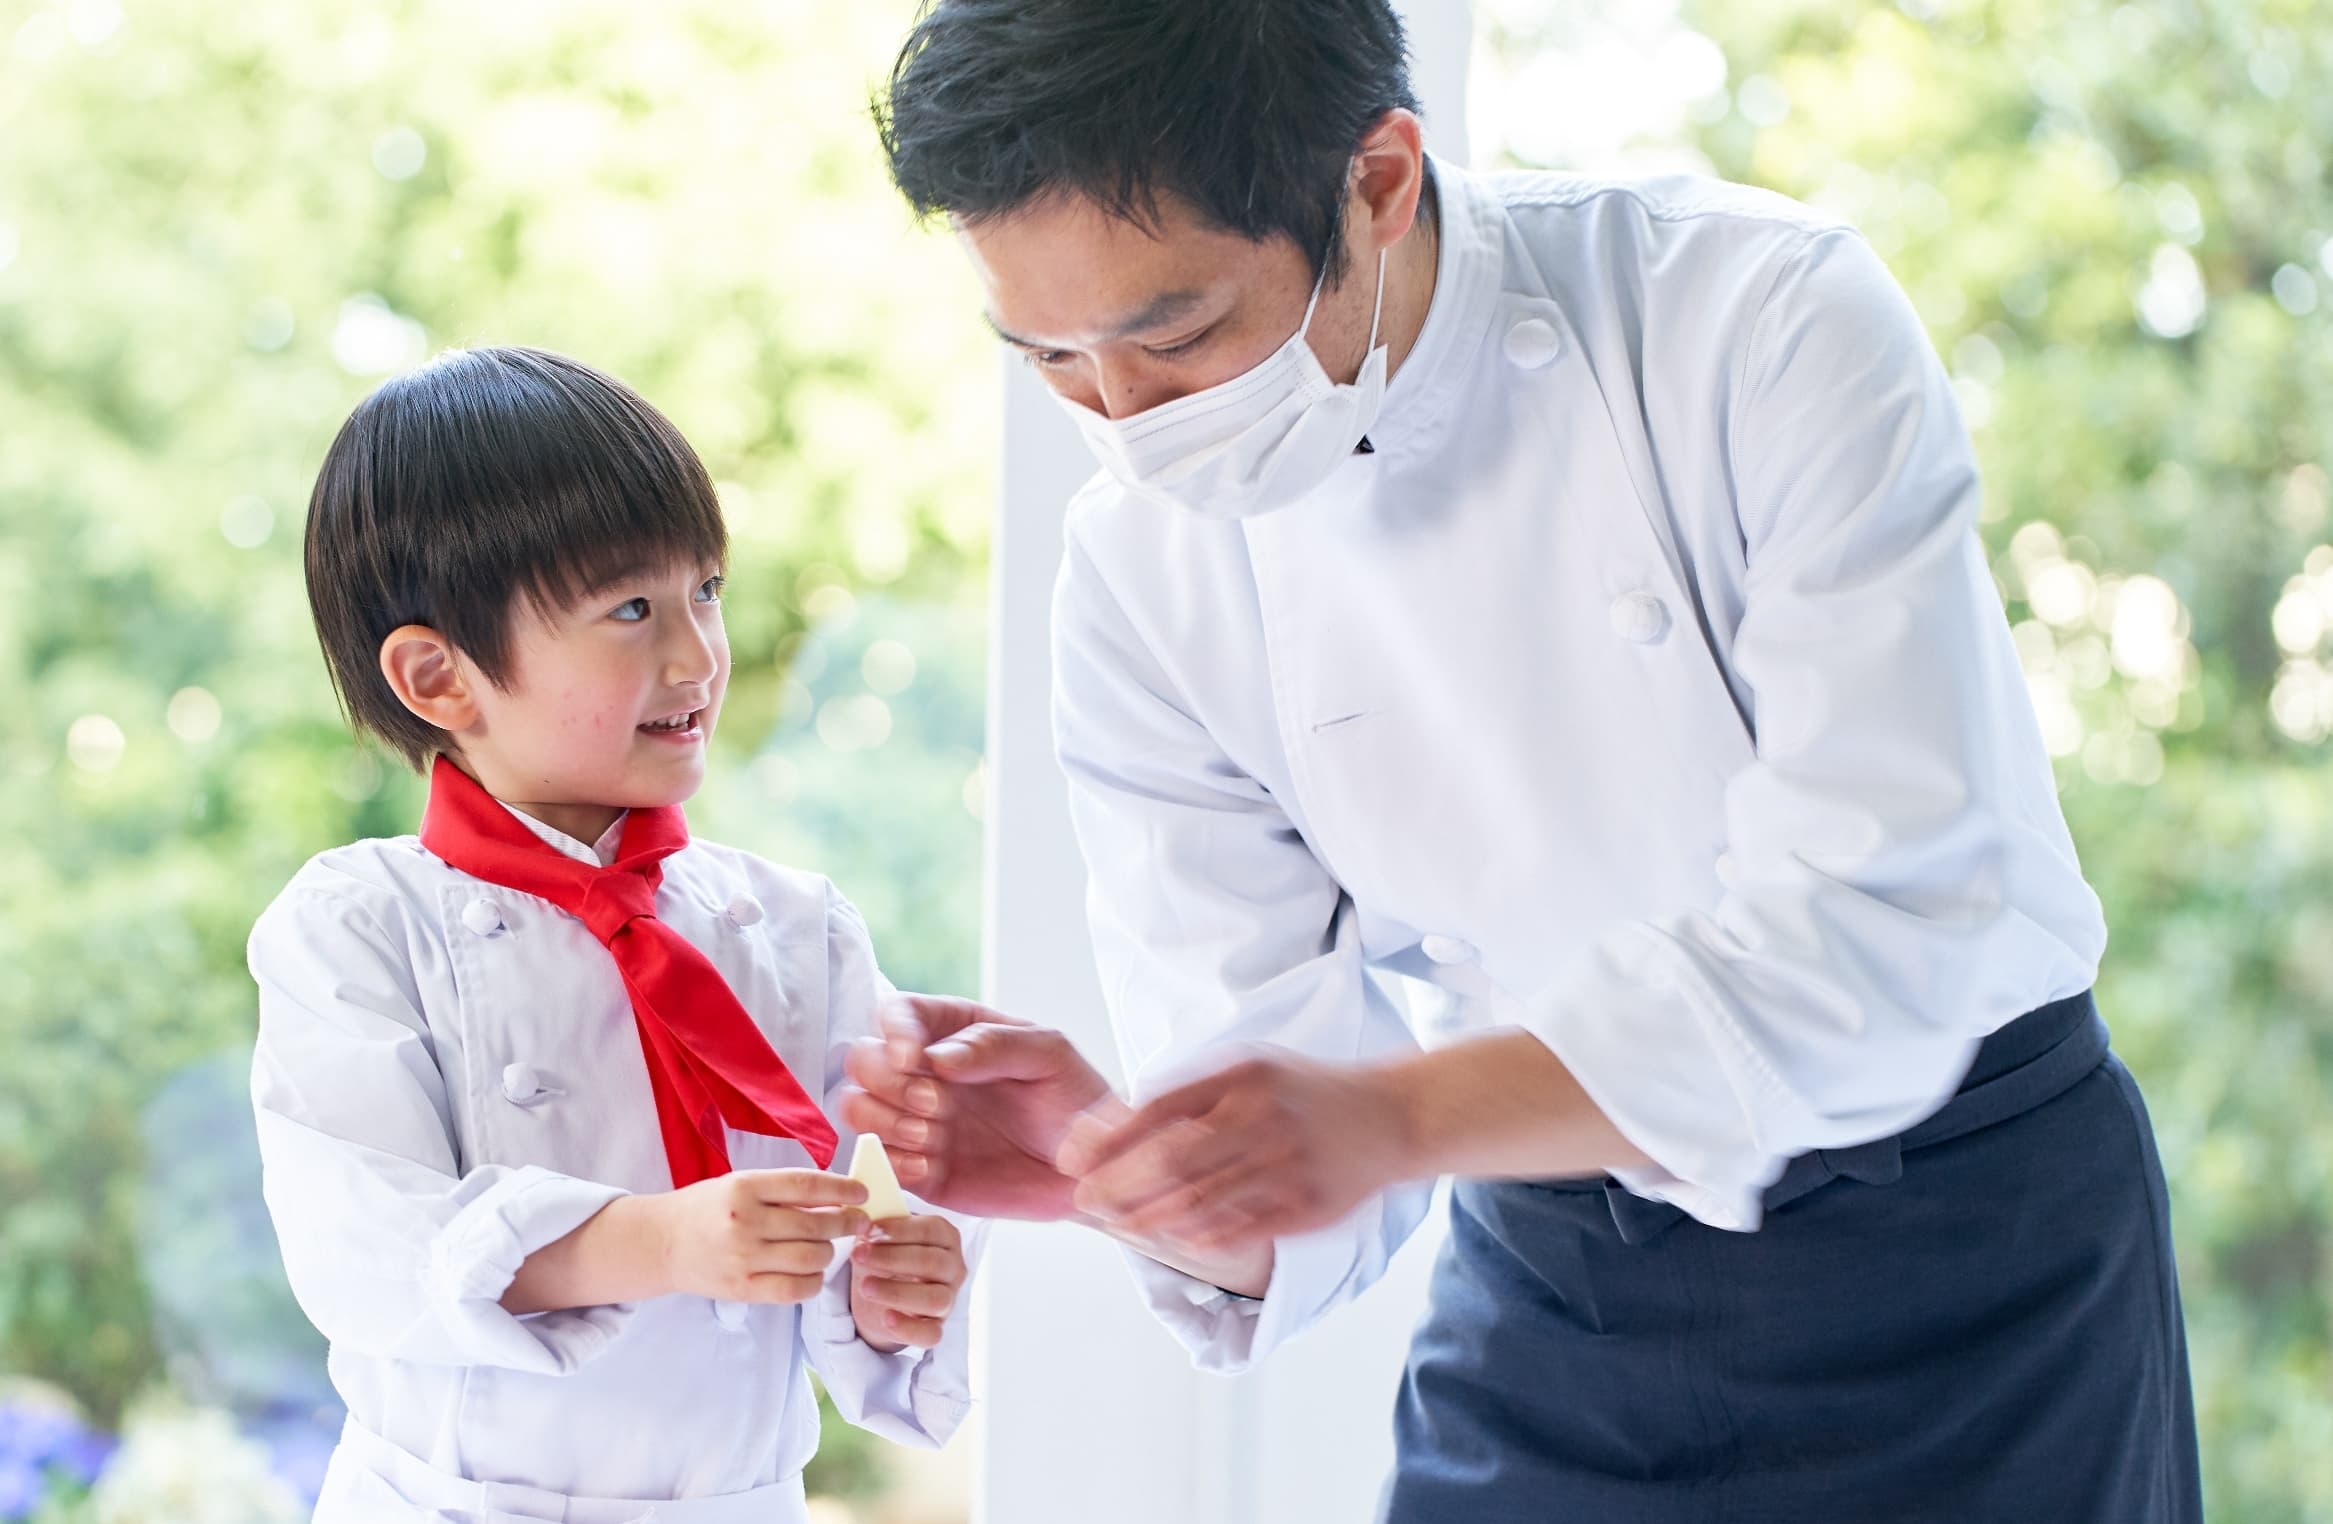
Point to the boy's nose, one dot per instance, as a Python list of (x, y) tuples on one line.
[(692, 659)]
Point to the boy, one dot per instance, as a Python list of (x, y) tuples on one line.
[(539, 1090)]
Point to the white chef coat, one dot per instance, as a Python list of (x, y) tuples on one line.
[(1645, 688), (449, 1078)]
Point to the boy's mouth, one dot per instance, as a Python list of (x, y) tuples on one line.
[(674, 725)]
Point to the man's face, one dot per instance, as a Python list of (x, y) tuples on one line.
[(1119, 317)]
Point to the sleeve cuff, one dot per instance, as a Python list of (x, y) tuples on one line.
[(1226, 1333), (916, 1397), (477, 1254)]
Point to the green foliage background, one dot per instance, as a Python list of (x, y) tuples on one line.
[(2027, 166), (217, 224), (2116, 220)]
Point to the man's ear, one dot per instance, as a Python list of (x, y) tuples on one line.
[(422, 669), (1389, 179)]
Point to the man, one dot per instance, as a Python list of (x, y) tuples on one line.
[(1563, 593)]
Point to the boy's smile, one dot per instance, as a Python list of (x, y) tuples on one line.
[(608, 704)]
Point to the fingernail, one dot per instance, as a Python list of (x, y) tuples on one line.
[(914, 1130), (923, 1095), (947, 1052)]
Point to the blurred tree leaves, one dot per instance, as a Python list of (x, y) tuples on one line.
[(2115, 219), (219, 226)]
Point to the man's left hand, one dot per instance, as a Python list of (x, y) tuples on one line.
[(1275, 1144)]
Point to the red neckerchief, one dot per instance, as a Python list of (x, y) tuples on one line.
[(708, 1063)]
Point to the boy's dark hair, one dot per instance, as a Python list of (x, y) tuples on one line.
[(1248, 110), (485, 477)]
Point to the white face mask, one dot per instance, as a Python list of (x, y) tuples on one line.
[(1251, 444)]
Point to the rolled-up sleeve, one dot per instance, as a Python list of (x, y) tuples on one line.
[(1214, 926), (389, 1247), (910, 1396), (1901, 882)]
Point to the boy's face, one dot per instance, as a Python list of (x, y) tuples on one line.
[(609, 702)]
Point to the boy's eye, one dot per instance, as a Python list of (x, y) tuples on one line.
[(711, 591), (631, 610)]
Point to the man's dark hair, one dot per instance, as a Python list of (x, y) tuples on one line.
[(483, 478), (1248, 110)]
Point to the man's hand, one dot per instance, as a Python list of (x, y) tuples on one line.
[(1275, 1144), (972, 1105)]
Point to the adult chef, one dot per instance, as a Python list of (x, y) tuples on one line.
[(1564, 592)]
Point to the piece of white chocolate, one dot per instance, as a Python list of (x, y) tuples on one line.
[(871, 1167)]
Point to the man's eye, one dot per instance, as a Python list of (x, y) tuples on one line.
[(1170, 351), (1046, 359), (711, 591), (631, 610)]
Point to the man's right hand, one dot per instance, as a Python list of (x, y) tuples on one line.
[(972, 1105)]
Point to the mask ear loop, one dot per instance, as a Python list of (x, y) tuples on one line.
[(1376, 311), (1312, 304)]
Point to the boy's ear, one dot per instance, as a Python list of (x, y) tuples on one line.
[(421, 669)]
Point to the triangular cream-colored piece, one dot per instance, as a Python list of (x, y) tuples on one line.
[(871, 1167)]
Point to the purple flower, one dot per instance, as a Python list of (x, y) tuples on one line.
[(84, 1455), (21, 1487), (42, 1444), (34, 1433)]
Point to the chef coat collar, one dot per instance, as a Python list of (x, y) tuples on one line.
[(599, 854), (1468, 272)]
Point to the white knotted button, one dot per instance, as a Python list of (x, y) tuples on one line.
[(730, 1315), (482, 916), (1446, 949), (1639, 617), (744, 910), (522, 1085), (1532, 343)]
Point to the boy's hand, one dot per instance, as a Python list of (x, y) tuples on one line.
[(759, 1235), (904, 1278)]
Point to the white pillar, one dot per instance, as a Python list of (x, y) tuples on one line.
[(1091, 1410)]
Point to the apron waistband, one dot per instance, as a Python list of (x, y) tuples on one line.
[(2036, 1058), (370, 1466)]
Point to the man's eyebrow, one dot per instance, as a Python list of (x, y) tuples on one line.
[(1161, 309)]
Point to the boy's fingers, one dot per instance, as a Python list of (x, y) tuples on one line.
[(909, 1262), (776, 1286), (923, 1228), (783, 1224), (923, 1333), (806, 1187), (922, 1299), (794, 1256)]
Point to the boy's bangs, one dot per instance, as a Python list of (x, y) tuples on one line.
[(623, 543)]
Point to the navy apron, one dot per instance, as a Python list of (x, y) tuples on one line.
[(1974, 1321)]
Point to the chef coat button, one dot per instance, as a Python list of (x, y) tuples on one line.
[(1640, 617), (1446, 949), (1532, 343), (483, 917), (744, 910), (730, 1315), (521, 1085)]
